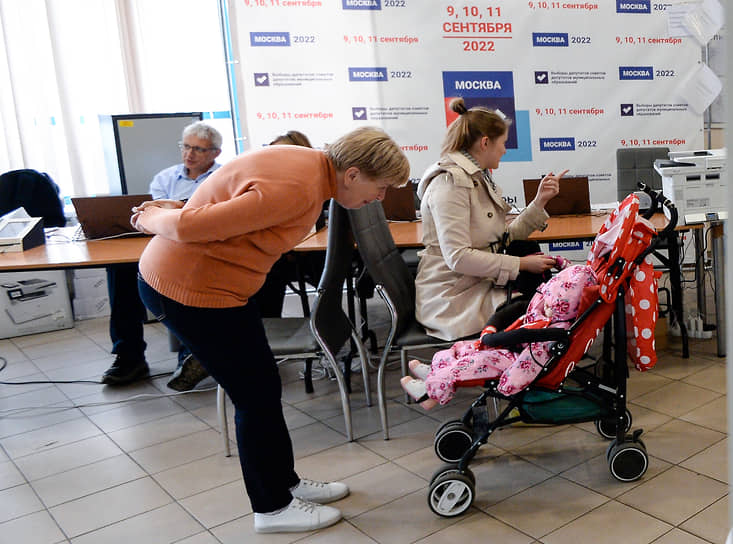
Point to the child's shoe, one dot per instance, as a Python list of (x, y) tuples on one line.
[(416, 390), (418, 369)]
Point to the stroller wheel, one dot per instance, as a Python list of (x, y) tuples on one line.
[(452, 443), (449, 423), (607, 427), (628, 461), (451, 468), (451, 494)]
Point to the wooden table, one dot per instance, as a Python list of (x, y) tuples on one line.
[(61, 252), (559, 228)]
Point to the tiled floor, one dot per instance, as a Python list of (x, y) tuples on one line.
[(84, 463)]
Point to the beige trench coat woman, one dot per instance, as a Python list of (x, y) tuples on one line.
[(464, 219)]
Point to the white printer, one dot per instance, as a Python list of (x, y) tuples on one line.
[(695, 181)]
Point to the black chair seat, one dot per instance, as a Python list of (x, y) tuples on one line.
[(290, 335), (414, 335)]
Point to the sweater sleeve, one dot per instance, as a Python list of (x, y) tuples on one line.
[(248, 212)]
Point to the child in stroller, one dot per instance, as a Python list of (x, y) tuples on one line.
[(533, 370), (556, 304)]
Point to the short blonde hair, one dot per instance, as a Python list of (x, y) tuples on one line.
[(373, 152)]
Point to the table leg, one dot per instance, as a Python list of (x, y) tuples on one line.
[(718, 241), (700, 272), (675, 280)]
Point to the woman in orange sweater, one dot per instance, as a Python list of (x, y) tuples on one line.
[(210, 256)]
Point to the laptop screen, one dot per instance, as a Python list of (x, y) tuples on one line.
[(573, 198)]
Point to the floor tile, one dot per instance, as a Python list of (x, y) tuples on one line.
[(712, 462), (18, 501), (168, 523), (547, 506), (477, 527), (36, 528), (179, 451), (86, 480), (157, 431), (636, 528), (387, 524), (676, 536), (661, 496), (10, 476), (711, 523), (676, 398), (378, 486), (596, 475), (535, 484), (47, 438), (711, 415), (109, 506), (677, 440), (200, 475), (218, 505), (67, 457)]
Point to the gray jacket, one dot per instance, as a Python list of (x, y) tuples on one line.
[(464, 220)]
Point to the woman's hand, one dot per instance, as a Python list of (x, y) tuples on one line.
[(135, 220), (161, 203), (536, 264), (548, 189)]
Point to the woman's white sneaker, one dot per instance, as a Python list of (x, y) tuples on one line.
[(320, 492), (298, 516)]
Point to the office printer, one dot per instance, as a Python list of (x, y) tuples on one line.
[(18, 291), (695, 182)]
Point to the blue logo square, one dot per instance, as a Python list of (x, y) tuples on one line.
[(359, 113), (542, 77), (262, 79), (627, 110)]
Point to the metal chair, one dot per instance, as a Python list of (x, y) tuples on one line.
[(328, 328), (396, 286)]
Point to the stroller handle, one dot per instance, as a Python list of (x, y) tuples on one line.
[(657, 197)]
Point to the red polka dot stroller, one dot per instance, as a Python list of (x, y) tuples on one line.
[(552, 384)]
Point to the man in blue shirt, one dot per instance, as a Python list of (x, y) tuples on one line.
[(200, 146)]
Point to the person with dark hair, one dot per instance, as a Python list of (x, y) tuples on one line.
[(292, 137), (209, 256), (200, 145), (464, 226)]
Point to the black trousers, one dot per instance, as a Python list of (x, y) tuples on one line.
[(231, 344)]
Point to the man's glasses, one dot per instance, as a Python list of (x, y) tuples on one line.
[(194, 148)]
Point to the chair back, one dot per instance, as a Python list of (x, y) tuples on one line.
[(329, 323), (383, 260), (34, 191), (637, 164)]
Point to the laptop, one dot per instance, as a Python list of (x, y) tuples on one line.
[(399, 203), (106, 216), (573, 198)]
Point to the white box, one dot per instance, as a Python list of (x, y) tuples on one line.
[(89, 273), (90, 287), (90, 307), (33, 302)]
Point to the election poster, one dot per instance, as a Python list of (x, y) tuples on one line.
[(577, 80)]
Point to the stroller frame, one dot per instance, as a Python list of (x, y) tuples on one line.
[(600, 396)]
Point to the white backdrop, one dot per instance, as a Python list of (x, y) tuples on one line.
[(578, 79)]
